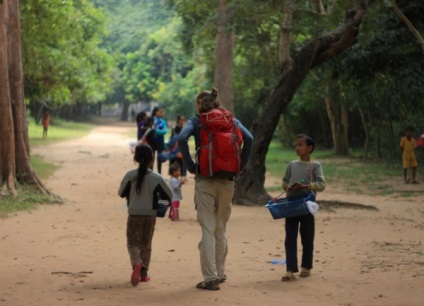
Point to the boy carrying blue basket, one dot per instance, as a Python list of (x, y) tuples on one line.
[(302, 177)]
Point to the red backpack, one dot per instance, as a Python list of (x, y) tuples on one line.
[(219, 154)]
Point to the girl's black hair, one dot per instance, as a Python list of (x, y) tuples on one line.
[(309, 141), (143, 156), (155, 109), (140, 116)]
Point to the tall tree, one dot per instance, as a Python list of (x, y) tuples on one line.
[(14, 145), (250, 186), (337, 113), (223, 70)]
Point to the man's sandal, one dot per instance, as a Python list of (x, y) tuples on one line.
[(222, 279), (305, 272), (288, 277), (211, 285)]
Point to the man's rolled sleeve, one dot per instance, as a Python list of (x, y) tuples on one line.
[(185, 134)]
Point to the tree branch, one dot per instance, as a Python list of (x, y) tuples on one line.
[(408, 23)]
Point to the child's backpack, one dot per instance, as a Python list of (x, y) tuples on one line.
[(219, 153)]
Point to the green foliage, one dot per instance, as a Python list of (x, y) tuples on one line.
[(164, 51), (161, 71), (62, 60), (380, 78), (131, 21)]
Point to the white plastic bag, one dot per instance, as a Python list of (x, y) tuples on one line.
[(312, 207)]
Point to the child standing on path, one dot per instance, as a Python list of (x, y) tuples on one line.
[(302, 178), (142, 187), (175, 184), (173, 143), (46, 122), (407, 145)]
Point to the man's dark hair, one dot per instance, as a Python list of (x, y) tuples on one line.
[(309, 140)]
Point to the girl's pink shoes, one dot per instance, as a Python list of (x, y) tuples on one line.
[(145, 279), (135, 276)]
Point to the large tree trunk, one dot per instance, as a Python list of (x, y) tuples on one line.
[(14, 145), (250, 186), (124, 111), (223, 70)]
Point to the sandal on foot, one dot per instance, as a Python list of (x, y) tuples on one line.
[(222, 279), (211, 285), (305, 272), (288, 277), (135, 276)]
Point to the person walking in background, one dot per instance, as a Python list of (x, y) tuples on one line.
[(214, 191), (140, 120), (148, 134), (161, 128), (181, 121), (46, 121), (302, 177), (175, 184), (407, 145), (142, 187)]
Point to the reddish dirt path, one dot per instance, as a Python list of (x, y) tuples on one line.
[(75, 253)]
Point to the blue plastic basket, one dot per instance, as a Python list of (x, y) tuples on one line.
[(161, 208), (283, 208)]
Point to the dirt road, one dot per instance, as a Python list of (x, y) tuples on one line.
[(75, 253)]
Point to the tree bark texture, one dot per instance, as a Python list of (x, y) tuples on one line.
[(338, 116), (223, 68), (250, 185), (285, 34), (14, 144), (7, 143), (124, 111)]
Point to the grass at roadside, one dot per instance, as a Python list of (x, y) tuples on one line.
[(28, 196), (43, 169), (59, 130), (352, 173), (27, 199)]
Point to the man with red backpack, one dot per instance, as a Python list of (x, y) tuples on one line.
[(223, 147)]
